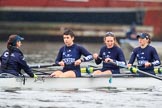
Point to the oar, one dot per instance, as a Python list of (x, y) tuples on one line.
[(92, 69), (41, 72), (46, 65), (135, 70), (110, 75), (88, 69), (83, 70), (43, 66)]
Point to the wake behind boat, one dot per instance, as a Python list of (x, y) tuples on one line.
[(85, 82)]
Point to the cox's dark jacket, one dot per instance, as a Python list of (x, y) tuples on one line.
[(13, 63)]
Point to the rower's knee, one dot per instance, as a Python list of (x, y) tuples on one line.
[(69, 74), (56, 74), (96, 72)]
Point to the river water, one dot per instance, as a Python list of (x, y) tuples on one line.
[(45, 52)]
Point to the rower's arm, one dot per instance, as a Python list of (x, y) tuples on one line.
[(24, 66), (156, 61), (87, 58), (59, 56), (87, 55), (132, 58), (120, 60), (100, 57)]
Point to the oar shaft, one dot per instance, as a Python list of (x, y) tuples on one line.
[(139, 71), (43, 66), (110, 75), (148, 74)]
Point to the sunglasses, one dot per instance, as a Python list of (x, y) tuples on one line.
[(110, 34)]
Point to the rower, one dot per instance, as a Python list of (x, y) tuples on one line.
[(69, 56), (12, 60), (146, 55), (111, 52)]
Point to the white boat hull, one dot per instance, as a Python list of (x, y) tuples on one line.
[(77, 83)]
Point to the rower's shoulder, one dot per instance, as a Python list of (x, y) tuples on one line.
[(79, 46), (151, 47)]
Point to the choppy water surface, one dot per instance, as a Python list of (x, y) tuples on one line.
[(81, 99), (84, 98)]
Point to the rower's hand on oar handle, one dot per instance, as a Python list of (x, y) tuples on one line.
[(147, 64), (61, 63), (129, 65), (78, 62), (95, 56), (108, 60)]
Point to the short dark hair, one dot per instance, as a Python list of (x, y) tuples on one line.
[(69, 32)]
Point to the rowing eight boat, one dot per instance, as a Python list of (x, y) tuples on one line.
[(46, 83), (123, 80)]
